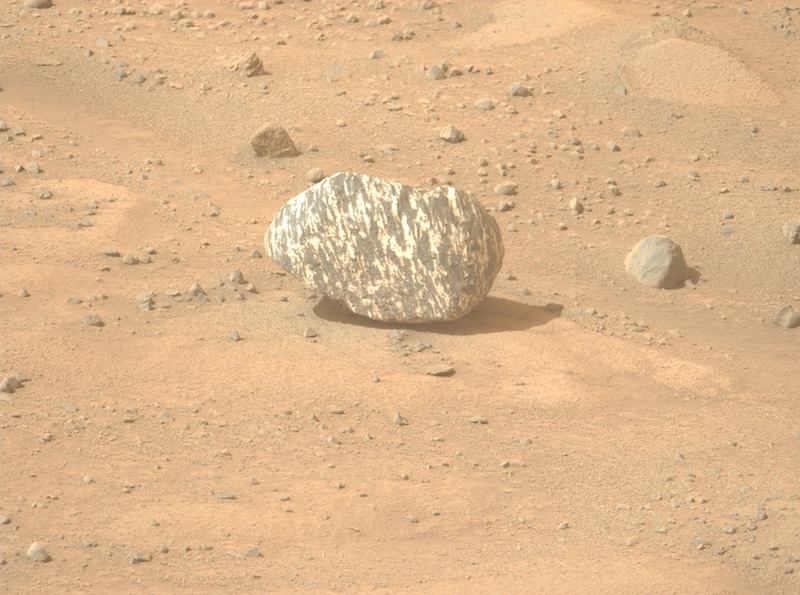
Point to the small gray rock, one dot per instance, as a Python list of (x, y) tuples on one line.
[(398, 420), (485, 104), (130, 259), (792, 231), (436, 73), (451, 134), (23, 292), (506, 189), (271, 140), (93, 320), (38, 4), (575, 206), (111, 252), (657, 261), (315, 175), (519, 90), (253, 552), (140, 557), (36, 553), (9, 384), (787, 317)]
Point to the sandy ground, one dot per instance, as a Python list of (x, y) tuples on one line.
[(598, 436)]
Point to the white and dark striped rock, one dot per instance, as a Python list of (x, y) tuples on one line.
[(657, 261), (389, 251)]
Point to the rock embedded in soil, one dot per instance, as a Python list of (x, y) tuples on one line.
[(248, 64), (389, 251), (440, 370), (657, 261), (519, 90), (271, 140)]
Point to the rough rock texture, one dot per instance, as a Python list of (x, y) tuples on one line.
[(388, 251), (787, 317), (248, 64), (272, 140), (657, 261)]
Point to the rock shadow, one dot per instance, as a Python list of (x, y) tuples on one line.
[(493, 315)]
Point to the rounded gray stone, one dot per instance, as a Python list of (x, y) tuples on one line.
[(388, 251), (657, 261)]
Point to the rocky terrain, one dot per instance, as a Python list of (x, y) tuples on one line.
[(181, 415)]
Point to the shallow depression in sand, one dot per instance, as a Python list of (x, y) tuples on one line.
[(683, 71)]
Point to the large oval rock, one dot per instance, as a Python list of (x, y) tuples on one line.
[(389, 251), (657, 261)]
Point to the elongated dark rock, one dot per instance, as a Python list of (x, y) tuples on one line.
[(389, 251)]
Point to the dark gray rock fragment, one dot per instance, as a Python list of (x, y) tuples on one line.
[(389, 251)]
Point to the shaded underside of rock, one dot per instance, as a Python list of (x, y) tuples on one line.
[(657, 261), (389, 251)]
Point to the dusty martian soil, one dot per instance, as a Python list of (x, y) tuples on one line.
[(193, 420)]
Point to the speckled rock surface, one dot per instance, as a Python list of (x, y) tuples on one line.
[(389, 251)]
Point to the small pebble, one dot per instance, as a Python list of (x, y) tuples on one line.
[(315, 175)]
